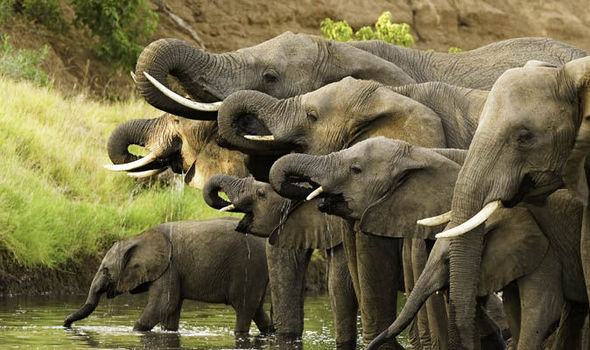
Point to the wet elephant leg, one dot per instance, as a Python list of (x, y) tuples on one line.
[(286, 270), (512, 310), (413, 330), (570, 332), (342, 299), (379, 273), (163, 302)]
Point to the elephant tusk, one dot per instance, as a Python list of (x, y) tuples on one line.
[(472, 223), (199, 106), (147, 173), (133, 165), (315, 193), (227, 208), (133, 77), (436, 220), (259, 137)]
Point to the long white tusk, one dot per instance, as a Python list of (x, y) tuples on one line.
[(436, 220), (472, 223), (315, 193), (133, 77), (227, 208), (259, 137), (147, 173), (199, 106), (133, 165)]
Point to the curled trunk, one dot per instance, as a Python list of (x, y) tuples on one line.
[(187, 63), (211, 190), (298, 168)]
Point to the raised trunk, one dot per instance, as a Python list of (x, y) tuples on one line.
[(132, 132), (194, 69), (216, 183), (250, 113), (96, 289), (296, 168)]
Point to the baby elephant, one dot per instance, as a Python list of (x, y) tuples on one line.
[(198, 260)]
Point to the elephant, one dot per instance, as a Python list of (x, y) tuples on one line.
[(293, 226), (380, 184), (531, 140), (197, 260), (293, 64)]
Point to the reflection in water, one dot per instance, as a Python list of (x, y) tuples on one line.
[(36, 322)]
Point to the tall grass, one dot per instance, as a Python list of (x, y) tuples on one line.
[(57, 203)]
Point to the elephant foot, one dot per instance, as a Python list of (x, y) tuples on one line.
[(141, 328), (241, 335), (348, 345), (266, 331), (288, 341)]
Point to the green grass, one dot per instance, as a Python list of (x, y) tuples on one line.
[(23, 64), (57, 203)]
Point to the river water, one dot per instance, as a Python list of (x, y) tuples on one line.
[(35, 322)]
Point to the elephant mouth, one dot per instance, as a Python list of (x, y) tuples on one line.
[(245, 224), (335, 204), (535, 187)]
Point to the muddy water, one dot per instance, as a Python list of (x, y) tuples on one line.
[(34, 322)]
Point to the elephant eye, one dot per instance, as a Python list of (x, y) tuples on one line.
[(355, 169), (524, 137), (312, 117), (270, 77)]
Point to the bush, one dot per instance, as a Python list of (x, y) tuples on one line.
[(119, 26), (47, 13), (454, 49), (23, 64), (393, 33), (6, 10)]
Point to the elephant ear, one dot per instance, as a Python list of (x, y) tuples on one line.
[(426, 192), (145, 258), (578, 71), (308, 228), (387, 113), (514, 247)]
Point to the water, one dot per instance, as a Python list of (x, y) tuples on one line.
[(33, 322)]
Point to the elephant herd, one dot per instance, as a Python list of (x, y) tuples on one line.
[(452, 177)]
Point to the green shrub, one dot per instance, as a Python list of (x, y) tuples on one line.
[(118, 26), (47, 13), (454, 49), (6, 10), (23, 64), (393, 33)]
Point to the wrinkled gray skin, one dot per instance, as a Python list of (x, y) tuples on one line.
[(299, 226), (197, 260), (526, 134), (381, 184), (293, 64)]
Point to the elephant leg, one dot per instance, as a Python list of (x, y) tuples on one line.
[(263, 322), (170, 323), (541, 301), (413, 331), (512, 310), (570, 331), (379, 272), (488, 331), (342, 299), (286, 270), (494, 309), (163, 302)]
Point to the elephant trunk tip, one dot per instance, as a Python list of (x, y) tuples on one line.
[(82, 313), (378, 341)]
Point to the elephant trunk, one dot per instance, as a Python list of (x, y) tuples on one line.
[(96, 290), (193, 67), (433, 278), (298, 168), (233, 187), (246, 121)]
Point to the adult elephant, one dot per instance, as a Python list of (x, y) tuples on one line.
[(292, 64), (379, 183), (189, 147), (526, 134), (294, 225)]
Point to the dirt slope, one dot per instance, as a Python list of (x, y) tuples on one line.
[(224, 25)]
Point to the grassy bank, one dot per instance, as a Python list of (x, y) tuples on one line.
[(57, 203)]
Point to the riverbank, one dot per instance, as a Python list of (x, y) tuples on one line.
[(60, 210)]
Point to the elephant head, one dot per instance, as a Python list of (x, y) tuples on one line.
[(294, 225), (374, 183), (129, 266), (287, 65), (526, 134), (186, 146), (326, 120)]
